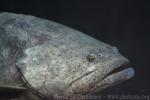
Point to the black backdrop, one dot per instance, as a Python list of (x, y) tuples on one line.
[(122, 23)]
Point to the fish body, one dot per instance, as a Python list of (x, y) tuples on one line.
[(50, 59)]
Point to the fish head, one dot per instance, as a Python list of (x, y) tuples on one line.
[(71, 68), (103, 66)]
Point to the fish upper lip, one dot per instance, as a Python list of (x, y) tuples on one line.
[(118, 69), (122, 65)]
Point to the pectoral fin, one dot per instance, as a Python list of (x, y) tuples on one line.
[(7, 91)]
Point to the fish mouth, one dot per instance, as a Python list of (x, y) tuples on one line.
[(119, 69), (116, 76)]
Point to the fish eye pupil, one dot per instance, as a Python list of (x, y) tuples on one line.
[(100, 55), (90, 57)]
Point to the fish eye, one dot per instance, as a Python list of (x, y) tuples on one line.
[(91, 57)]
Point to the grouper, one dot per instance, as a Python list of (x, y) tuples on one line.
[(41, 60)]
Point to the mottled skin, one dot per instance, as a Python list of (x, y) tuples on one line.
[(51, 59)]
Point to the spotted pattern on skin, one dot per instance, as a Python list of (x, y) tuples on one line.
[(56, 59)]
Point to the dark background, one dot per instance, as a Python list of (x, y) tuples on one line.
[(123, 23)]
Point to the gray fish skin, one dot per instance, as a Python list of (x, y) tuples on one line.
[(55, 59)]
